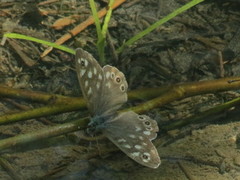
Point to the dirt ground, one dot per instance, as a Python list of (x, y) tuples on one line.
[(203, 43)]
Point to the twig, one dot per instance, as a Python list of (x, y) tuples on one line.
[(43, 133), (175, 92), (221, 64), (47, 2), (26, 108), (185, 171), (8, 92), (82, 26), (38, 112), (7, 166), (19, 50), (189, 89), (204, 115), (82, 123)]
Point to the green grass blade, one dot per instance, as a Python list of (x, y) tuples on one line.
[(107, 19), (96, 19), (29, 38), (101, 40), (158, 23)]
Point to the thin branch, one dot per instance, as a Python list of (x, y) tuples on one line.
[(175, 92), (7, 92), (82, 124), (181, 91), (43, 133), (9, 169), (35, 96), (203, 115), (39, 112)]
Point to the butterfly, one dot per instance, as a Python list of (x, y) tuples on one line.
[(105, 91)]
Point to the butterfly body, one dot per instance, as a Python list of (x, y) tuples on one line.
[(97, 124), (105, 90)]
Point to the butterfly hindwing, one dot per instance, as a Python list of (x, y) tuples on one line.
[(114, 90), (132, 133)]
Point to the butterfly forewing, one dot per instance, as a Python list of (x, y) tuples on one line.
[(91, 78), (135, 141), (103, 88)]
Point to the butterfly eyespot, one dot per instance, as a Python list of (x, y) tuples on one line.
[(141, 118), (146, 156), (82, 62), (122, 88), (147, 123), (118, 79)]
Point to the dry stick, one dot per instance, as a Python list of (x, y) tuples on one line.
[(10, 170), (47, 2), (7, 92), (43, 133), (186, 171), (174, 93), (19, 50), (57, 103), (221, 64), (207, 115), (38, 112), (82, 26), (82, 124), (25, 108), (179, 91), (42, 97), (190, 89)]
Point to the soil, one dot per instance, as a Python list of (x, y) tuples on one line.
[(202, 43)]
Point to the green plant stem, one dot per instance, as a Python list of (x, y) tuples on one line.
[(82, 123), (107, 19), (172, 93), (200, 117), (158, 23), (43, 133), (29, 38), (96, 18), (7, 92), (101, 39), (39, 112), (101, 32), (181, 91)]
